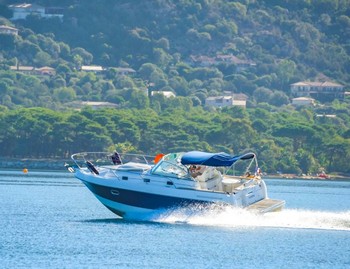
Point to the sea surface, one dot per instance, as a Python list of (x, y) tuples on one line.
[(50, 220)]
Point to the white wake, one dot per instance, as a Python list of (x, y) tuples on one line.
[(240, 218)]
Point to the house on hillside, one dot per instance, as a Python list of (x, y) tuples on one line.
[(329, 116), (166, 94), (51, 12), (92, 68), (7, 30), (219, 101), (303, 101), (94, 105), (100, 70), (225, 101), (327, 90), (45, 71), (240, 96), (23, 69), (31, 70), (21, 11)]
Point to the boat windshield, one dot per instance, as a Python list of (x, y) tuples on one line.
[(171, 169)]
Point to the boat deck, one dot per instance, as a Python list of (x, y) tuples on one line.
[(267, 205)]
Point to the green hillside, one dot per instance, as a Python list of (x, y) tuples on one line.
[(194, 49)]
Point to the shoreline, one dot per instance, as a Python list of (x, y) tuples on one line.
[(291, 176), (58, 165), (34, 164)]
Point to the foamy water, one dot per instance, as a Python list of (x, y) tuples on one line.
[(241, 218), (49, 220)]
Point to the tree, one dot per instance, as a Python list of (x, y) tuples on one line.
[(285, 71), (64, 50), (307, 162), (58, 82), (279, 98), (139, 99), (158, 78), (147, 69), (4, 88), (337, 150), (262, 95), (164, 43), (28, 49), (63, 70), (300, 134), (64, 94), (42, 59), (124, 82), (78, 61), (179, 85), (86, 57), (161, 58)]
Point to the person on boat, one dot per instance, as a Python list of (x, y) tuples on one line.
[(116, 158), (258, 171), (196, 170), (249, 175)]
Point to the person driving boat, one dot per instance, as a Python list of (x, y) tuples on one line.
[(196, 170)]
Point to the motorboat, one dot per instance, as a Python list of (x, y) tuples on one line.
[(133, 185)]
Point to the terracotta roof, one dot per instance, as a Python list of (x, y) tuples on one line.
[(46, 68)]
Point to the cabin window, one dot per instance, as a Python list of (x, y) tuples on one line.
[(170, 169)]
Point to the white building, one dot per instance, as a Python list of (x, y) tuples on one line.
[(7, 30), (166, 94), (303, 101), (224, 101), (92, 68), (21, 11), (317, 90)]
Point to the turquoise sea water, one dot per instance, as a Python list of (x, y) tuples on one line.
[(50, 220)]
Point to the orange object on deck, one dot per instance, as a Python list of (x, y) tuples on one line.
[(158, 157)]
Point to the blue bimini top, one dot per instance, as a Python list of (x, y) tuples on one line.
[(213, 159)]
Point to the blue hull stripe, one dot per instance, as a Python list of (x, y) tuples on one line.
[(140, 199)]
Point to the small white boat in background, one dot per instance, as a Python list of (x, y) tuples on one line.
[(132, 185)]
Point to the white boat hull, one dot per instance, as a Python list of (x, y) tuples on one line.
[(134, 189), (133, 198)]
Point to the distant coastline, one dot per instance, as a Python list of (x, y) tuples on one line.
[(308, 177), (34, 164), (58, 165)]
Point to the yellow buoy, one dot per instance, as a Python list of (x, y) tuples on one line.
[(25, 170)]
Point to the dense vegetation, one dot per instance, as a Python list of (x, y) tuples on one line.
[(288, 41), (287, 141)]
